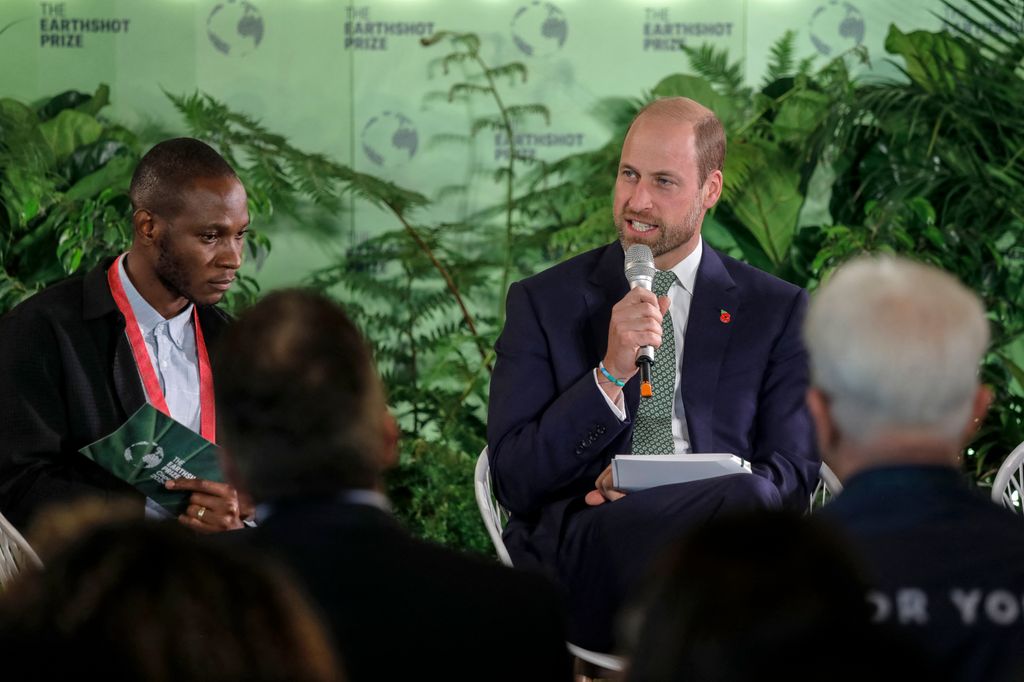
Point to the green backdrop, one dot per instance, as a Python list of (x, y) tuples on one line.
[(351, 80)]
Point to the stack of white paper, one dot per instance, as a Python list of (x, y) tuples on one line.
[(637, 472)]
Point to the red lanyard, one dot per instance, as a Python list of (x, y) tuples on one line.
[(207, 410)]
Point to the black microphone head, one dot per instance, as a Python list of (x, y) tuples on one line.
[(639, 266)]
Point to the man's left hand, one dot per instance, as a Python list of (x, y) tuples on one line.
[(603, 492), (212, 507)]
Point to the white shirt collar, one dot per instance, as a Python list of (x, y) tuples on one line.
[(148, 317), (686, 269)]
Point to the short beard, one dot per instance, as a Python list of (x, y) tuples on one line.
[(667, 242), (171, 272)]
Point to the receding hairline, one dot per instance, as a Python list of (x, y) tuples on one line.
[(676, 110)]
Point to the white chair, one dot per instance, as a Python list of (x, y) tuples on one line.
[(827, 488), (495, 517), (15, 553), (1008, 488)]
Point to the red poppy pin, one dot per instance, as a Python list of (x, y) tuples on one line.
[(725, 317)]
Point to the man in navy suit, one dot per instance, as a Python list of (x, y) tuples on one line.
[(565, 397), (895, 348)]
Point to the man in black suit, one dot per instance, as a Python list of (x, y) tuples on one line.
[(895, 348), (75, 358), (307, 434)]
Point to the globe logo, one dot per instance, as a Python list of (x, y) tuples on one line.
[(235, 27), (150, 453), (539, 29), (389, 139), (836, 27)]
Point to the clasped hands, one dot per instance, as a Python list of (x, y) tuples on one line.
[(212, 506)]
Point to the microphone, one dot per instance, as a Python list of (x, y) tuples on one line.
[(639, 266)]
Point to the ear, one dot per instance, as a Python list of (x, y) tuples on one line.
[(144, 226), (818, 406), (712, 188), (982, 400)]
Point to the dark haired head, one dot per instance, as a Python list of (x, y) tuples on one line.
[(168, 170), (150, 601), (301, 410), (761, 594)]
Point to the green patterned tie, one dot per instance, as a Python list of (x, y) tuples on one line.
[(652, 430)]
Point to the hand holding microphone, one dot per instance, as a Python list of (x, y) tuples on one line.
[(635, 328)]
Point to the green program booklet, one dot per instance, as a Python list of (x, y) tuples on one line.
[(150, 449)]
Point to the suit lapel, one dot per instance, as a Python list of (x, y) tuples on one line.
[(707, 337), (99, 308), (606, 286)]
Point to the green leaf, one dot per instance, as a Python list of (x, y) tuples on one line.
[(769, 206), (933, 60), (69, 130), (116, 174), (800, 114)]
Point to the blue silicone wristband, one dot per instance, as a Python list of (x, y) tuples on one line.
[(618, 382)]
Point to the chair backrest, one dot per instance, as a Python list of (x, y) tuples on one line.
[(15, 553), (827, 488), (1008, 488), (495, 517)]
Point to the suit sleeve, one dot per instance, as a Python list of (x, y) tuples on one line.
[(785, 450), (546, 433), (38, 463)]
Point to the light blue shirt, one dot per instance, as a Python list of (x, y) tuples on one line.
[(172, 350)]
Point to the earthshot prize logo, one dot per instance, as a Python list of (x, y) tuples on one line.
[(835, 27), (539, 29), (389, 139), (149, 452), (234, 27), (362, 33), (58, 29), (662, 34)]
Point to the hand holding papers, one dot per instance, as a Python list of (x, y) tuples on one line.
[(638, 472), (150, 449)]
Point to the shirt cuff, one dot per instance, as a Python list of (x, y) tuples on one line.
[(618, 407)]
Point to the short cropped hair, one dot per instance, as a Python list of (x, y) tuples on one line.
[(708, 132), (896, 345), (299, 403), (168, 170)]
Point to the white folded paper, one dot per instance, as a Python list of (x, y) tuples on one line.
[(638, 472)]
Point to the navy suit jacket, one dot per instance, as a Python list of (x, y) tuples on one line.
[(946, 566), (550, 431)]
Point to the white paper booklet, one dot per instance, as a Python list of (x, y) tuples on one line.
[(637, 472)]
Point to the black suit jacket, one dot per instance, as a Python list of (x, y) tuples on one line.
[(67, 378), (400, 608), (550, 432)]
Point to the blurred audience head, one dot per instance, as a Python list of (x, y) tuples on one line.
[(301, 409), (150, 601), (757, 595), (58, 525), (895, 348)]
